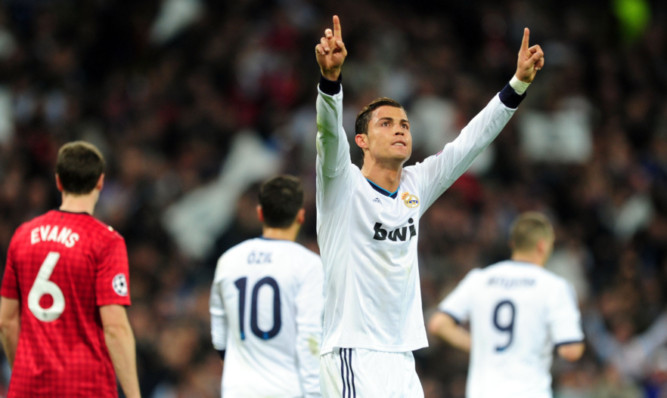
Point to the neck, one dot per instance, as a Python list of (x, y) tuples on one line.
[(79, 203), (529, 257), (290, 233), (388, 178)]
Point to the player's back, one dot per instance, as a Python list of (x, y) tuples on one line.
[(514, 320), (260, 282), (56, 266)]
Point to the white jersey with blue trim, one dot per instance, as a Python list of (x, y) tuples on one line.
[(368, 237), (518, 312), (266, 313)]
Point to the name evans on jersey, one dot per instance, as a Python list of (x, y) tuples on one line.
[(48, 233)]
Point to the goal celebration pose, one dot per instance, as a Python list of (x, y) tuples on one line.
[(368, 224)]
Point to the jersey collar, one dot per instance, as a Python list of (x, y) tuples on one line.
[(383, 191)]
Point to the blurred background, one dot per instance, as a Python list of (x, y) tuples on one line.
[(194, 102)]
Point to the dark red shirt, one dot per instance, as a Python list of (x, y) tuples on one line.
[(62, 267)]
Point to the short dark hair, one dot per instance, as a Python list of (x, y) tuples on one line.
[(364, 116), (528, 229), (281, 199), (79, 167)]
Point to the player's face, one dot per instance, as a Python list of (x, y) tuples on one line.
[(389, 139)]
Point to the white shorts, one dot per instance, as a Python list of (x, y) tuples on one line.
[(357, 372)]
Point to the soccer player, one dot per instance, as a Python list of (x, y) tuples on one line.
[(266, 303), (63, 323), (368, 225), (518, 312)]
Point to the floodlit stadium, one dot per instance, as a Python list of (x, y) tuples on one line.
[(195, 102)]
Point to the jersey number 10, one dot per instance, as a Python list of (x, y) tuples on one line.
[(254, 324)]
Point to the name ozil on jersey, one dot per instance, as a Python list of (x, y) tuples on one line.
[(398, 234), (47, 233)]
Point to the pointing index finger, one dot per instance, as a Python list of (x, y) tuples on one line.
[(524, 41), (338, 33)]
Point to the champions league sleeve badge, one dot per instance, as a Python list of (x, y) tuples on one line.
[(410, 200), (120, 285)]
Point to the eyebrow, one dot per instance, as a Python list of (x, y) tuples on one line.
[(392, 119)]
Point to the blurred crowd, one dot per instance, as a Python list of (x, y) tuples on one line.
[(194, 102)]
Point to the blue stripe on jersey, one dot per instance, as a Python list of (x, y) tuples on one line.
[(568, 342), (383, 191)]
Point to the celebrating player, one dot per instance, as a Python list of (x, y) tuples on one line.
[(518, 312), (368, 224), (63, 322), (266, 303)]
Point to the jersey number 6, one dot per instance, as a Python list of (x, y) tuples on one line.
[(254, 324), (43, 286)]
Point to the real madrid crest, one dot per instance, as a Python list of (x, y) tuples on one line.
[(410, 200)]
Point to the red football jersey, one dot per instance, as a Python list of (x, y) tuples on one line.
[(62, 266)]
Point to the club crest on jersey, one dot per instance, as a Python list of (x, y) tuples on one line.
[(410, 200), (120, 285)]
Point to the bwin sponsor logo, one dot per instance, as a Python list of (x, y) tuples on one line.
[(399, 234)]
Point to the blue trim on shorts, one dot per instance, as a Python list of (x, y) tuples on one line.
[(347, 374)]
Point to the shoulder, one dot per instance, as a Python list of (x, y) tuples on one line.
[(104, 229), (300, 248), (236, 249), (104, 234), (473, 276)]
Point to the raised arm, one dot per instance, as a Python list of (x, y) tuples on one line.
[(333, 149), (331, 52)]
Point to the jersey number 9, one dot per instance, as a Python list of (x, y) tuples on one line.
[(505, 322)]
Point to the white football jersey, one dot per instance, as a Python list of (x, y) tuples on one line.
[(368, 236), (266, 313), (518, 313)]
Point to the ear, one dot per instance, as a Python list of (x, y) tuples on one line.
[(301, 216), (100, 183), (361, 140), (59, 184), (260, 214)]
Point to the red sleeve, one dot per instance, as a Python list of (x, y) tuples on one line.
[(113, 279), (10, 286)]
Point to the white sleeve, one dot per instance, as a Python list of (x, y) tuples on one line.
[(438, 172), (563, 316), (218, 319), (309, 303), (458, 303), (333, 150)]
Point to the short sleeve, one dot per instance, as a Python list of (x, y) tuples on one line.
[(458, 303), (218, 318), (113, 280), (564, 316)]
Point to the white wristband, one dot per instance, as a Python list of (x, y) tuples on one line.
[(519, 86)]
